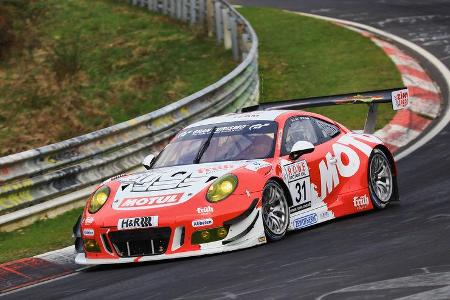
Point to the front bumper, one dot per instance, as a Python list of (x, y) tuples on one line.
[(245, 230)]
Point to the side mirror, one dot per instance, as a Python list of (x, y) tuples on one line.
[(300, 148), (148, 161)]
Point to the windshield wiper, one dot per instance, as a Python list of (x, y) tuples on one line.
[(204, 146)]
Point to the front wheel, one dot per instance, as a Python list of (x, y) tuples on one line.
[(275, 211), (381, 181)]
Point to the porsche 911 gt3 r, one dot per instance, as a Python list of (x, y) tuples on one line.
[(236, 181)]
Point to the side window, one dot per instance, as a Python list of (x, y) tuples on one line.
[(298, 129), (326, 131)]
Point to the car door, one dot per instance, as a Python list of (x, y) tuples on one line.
[(303, 176)]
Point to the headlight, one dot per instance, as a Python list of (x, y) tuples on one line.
[(222, 188), (98, 199)]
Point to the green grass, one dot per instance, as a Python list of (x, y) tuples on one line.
[(40, 237), (82, 65), (304, 57)]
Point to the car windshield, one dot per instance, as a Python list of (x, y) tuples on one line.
[(220, 142)]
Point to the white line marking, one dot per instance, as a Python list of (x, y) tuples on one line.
[(38, 284)]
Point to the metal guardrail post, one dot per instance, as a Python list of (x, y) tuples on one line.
[(226, 28), (201, 12), (178, 4), (172, 8), (218, 17), (150, 4), (210, 17), (193, 12), (245, 44), (185, 10), (234, 38), (165, 7)]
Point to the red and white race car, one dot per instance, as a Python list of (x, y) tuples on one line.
[(237, 181)]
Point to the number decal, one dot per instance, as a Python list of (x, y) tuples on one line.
[(296, 176), (301, 191)]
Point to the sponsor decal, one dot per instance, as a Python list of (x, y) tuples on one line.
[(150, 201), (202, 222), (138, 222), (262, 239), (205, 210), (230, 128), (296, 170), (296, 175), (361, 202), (300, 207), (305, 221), (256, 165), (207, 170), (359, 98), (400, 99), (258, 126), (246, 115), (325, 215), (332, 167), (291, 120), (88, 232), (155, 181), (89, 220), (203, 131)]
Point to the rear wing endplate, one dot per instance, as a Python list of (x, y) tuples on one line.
[(399, 98)]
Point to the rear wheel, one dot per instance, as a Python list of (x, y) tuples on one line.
[(381, 181), (275, 211)]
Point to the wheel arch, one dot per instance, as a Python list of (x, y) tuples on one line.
[(285, 188), (389, 156)]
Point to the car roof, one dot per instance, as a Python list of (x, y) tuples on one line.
[(269, 115)]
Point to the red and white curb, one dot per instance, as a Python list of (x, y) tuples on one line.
[(33, 270)]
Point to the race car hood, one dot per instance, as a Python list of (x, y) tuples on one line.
[(171, 186)]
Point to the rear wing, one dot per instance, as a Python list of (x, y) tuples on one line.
[(399, 98)]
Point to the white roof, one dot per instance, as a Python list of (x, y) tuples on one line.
[(269, 115)]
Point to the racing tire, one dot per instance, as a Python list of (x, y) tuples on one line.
[(382, 183), (275, 211)]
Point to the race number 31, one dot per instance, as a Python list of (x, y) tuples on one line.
[(297, 176)]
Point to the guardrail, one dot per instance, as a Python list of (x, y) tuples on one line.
[(42, 180)]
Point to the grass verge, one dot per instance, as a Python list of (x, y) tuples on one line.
[(75, 66), (40, 237), (303, 57)]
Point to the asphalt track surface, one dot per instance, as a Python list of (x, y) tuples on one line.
[(403, 251)]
